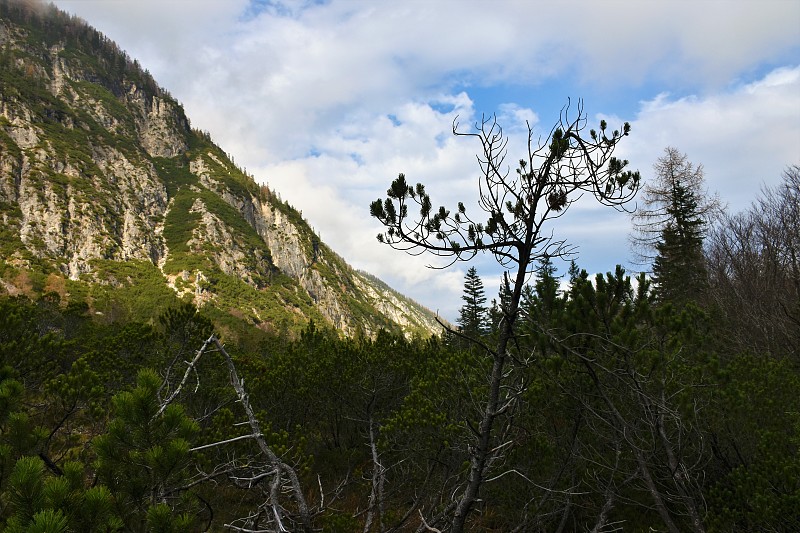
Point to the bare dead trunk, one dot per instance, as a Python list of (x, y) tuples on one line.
[(280, 466), (378, 481)]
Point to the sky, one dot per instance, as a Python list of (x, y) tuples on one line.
[(328, 101)]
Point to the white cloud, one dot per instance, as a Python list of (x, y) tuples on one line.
[(327, 102), (743, 137), (518, 119), (357, 167), (271, 81)]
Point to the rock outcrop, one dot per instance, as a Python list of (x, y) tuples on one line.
[(99, 164)]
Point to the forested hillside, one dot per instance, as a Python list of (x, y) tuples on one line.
[(569, 402)]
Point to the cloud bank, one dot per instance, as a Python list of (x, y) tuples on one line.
[(328, 101)]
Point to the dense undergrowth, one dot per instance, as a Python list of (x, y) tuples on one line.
[(84, 443)]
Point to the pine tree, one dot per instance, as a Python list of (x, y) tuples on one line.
[(546, 286), (555, 172), (472, 317), (500, 308), (37, 500), (144, 459), (541, 306)]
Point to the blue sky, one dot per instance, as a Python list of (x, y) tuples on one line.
[(328, 101)]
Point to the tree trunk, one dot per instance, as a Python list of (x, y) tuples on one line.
[(483, 450)]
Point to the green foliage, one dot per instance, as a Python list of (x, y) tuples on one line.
[(75, 394), (755, 431), (179, 224), (185, 329), (26, 488), (175, 173), (39, 501), (18, 435), (429, 417), (144, 454), (542, 306), (679, 268), (161, 519), (133, 290), (315, 397), (472, 315)]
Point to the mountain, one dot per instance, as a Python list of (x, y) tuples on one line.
[(108, 195)]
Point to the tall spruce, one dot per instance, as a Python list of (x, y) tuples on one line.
[(472, 316), (679, 268), (542, 305), (656, 208), (499, 311)]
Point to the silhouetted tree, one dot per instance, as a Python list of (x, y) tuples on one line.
[(520, 208)]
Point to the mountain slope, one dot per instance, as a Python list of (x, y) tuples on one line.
[(105, 189)]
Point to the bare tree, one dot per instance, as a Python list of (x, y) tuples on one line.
[(753, 263), (282, 477), (521, 207)]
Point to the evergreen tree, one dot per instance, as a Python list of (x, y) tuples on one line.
[(144, 459), (541, 303), (654, 213), (546, 287), (40, 501), (679, 269), (472, 316), (500, 307)]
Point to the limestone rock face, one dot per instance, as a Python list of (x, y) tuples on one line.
[(327, 294), (99, 165), (61, 214), (291, 249), (161, 131), (229, 255), (397, 308)]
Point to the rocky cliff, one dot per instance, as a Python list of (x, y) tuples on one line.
[(99, 168)]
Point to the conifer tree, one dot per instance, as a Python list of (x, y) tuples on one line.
[(472, 316), (679, 269), (546, 286), (40, 501), (541, 303), (500, 306), (656, 206), (144, 459)]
